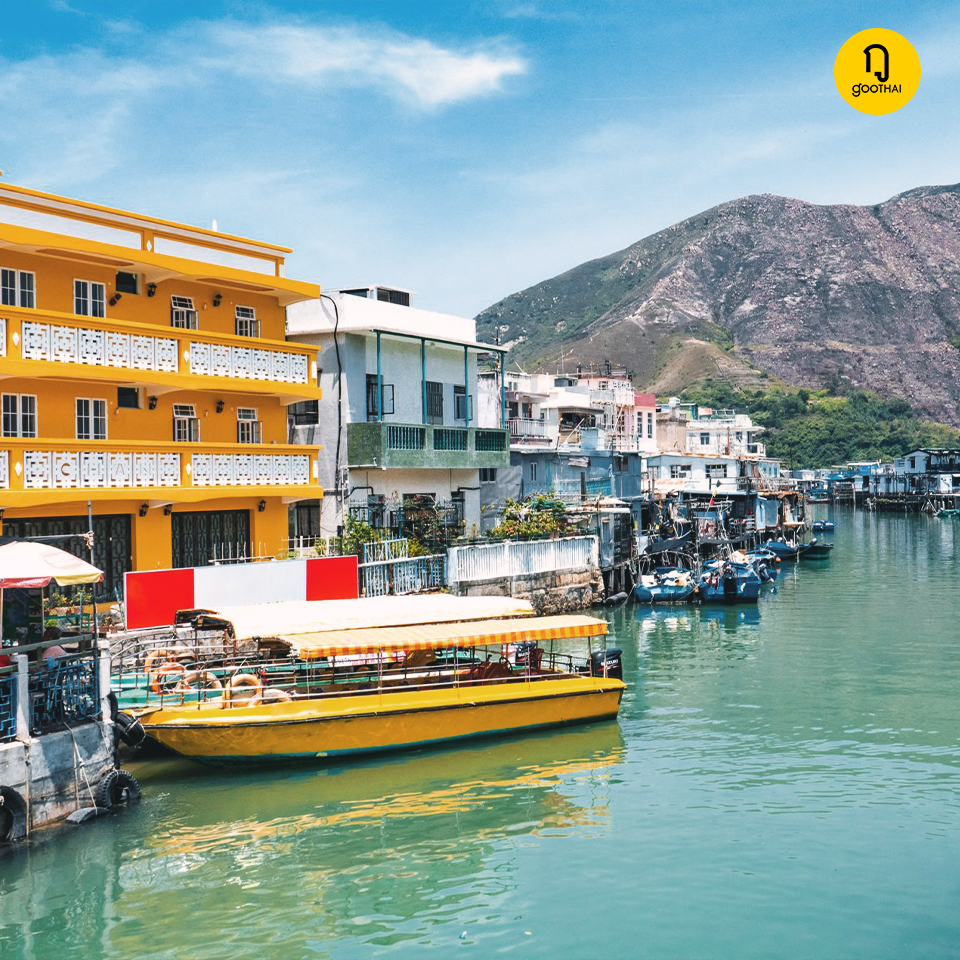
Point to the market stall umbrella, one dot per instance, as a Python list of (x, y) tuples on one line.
[(25, 563)]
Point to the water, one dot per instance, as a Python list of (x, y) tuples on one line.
[(783, 781)]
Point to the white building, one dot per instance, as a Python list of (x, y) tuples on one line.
[(398, 415)]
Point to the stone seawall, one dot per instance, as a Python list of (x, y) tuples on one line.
[(552, 592)]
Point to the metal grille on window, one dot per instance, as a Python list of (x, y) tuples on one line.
[(182, 313), (249, 428), (434, 402), (247, 323)]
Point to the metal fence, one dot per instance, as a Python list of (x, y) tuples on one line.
[(396, 549), (66, 691), (8, 707), (406, 575), (514, 558)]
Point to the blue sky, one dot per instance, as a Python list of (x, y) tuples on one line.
[(463, 150)]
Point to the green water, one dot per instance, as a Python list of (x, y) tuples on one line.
[(782, 782)]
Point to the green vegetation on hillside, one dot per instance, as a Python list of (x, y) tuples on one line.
[(815, 429)]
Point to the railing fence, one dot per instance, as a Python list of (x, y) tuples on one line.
[(514, 558)]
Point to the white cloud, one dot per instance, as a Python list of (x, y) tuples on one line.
[(415, 70)]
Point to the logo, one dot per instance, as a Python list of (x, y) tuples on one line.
[(877, 71)]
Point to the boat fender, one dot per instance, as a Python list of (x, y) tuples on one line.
[(240, 681), (156, 681), (114, 705), (129, 730), (13, 815), (616, 598), (202, 679), (276, 695), (117, 786)]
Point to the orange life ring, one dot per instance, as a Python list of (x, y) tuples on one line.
[(155, 656), (165, 671), (240, 681), (198, 679)]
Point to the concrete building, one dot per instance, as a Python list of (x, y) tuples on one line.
[(691, 428), (145, 374), (399, 421)]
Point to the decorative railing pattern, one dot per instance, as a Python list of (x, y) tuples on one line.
[(246, 363), (515, 558), (239, 470), (99, 348), (449, 439), (396, 577), (8, 706), (63, 693), (44, 470), (4, 470), (405, 438), (379, 550), (490, 441), (3, 337)]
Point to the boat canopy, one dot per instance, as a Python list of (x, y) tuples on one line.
[(433, 636), (308, 617)]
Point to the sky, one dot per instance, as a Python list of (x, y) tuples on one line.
[(461, 150)]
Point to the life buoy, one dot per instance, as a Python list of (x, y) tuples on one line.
[(198, 680), (275, 695), (117, 786), (160, 655), (169, 668), (243, 681)]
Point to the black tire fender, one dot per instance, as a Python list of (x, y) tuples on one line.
[(129, 730), (117, 786), (13, 815)]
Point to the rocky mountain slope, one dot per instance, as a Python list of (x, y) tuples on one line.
[(814, 295)]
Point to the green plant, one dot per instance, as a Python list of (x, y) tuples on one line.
[(538, 517)]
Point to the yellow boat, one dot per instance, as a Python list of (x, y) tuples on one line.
[(372, 689)]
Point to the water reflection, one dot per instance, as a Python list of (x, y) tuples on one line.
[(377, 852)]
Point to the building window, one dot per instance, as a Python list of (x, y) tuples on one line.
[(704, 439), (533, 471), (488, 474), (434, 402), (386, 401), (716, 471), (186, 426), (182, 314), (249, 428), (18, 288), (649, 424), (19, 415), (305, 413), (89, 299), (127, 282), (461, 403), (679, 470), (247, 323), (128, 398), (91, 419)]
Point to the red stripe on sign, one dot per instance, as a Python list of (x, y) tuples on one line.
[(153, 597), (332, 578)]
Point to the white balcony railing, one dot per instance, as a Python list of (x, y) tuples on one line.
[(522, 427)]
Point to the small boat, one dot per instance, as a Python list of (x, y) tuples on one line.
[(766, 563), (364, 690), (665, 585), (817, 550), (823, 526), (948, 514), (729, 581), (785, 549)]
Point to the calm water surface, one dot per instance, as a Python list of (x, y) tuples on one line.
[(782, 782)]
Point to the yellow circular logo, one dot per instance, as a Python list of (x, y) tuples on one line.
[(877, 71)]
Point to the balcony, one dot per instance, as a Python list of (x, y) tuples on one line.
[(164, 359), (48, 471), (525, 431), (419, 446)]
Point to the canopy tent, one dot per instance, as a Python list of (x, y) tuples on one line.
[(263, 620), (25, 563), (432, 636)]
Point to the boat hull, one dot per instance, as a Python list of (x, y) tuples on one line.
[(350, 726)]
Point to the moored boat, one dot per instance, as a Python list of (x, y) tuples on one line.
[(366, 690), (665, 585), (729, 582), (823, 526), (816, 550)]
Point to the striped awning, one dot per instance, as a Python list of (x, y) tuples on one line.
[(434, 636)]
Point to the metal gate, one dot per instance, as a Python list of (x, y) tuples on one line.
[(209, 536)]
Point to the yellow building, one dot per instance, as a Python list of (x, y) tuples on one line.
[(144, 371)]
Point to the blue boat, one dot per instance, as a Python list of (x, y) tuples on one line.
[(785, 549), (823, 526), (816, 550), (665, 585), (727, 582), (766, 562)]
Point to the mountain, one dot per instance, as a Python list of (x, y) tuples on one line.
[(765, 286)]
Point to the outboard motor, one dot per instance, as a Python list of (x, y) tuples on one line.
[(609, 659)]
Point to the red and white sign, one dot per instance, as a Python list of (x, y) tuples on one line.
[(153, 597)]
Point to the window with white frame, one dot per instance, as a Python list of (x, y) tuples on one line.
[(182, 313), (89, 298), (18, 288), (716, 471), (679, 470), (247, 323), (704, 439), (91, 419), (19, 415), (186, 426), (249, 428)]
